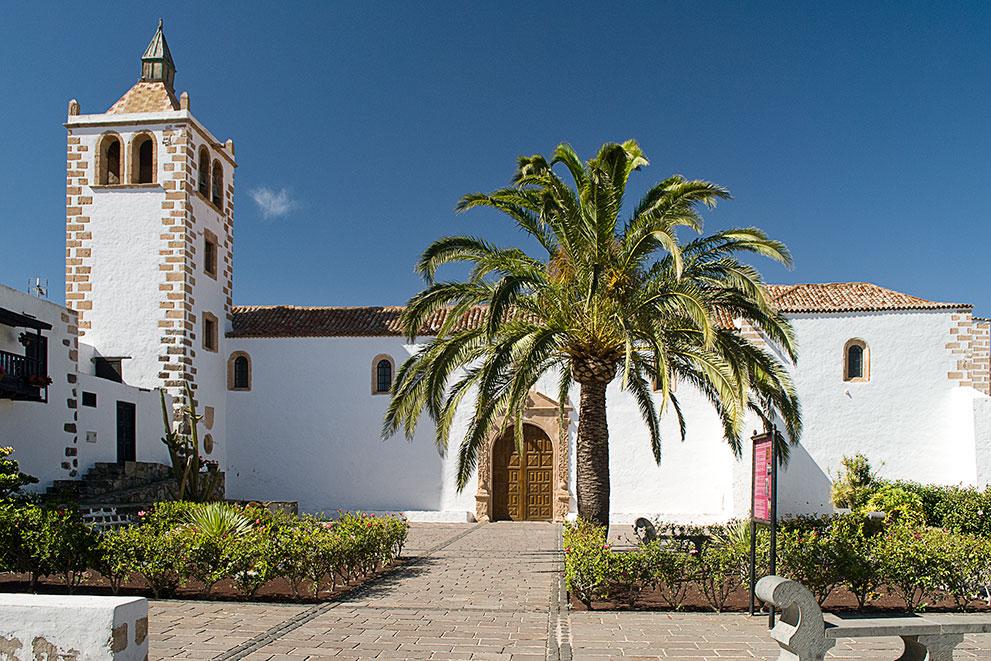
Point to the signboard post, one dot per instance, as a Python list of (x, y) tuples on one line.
[(763, 505)]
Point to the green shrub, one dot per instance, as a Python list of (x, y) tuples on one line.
[(858, 562), (967, 567), (630, 572), (11, 477), (957, 508), (899, 505), (167, 514), (160, 556), (586, 565), (673, 568), (724, 563), (178, 541), (293, 548), (964, 510), (855, 484), (115, 557), (914, 563), (249, 561), (212, 532), (43, 541), (810, 557)]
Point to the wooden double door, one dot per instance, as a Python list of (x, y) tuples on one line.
[(522, 484)]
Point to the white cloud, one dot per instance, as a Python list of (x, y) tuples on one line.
[(273, 203)]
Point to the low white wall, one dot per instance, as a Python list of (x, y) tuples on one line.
[(82, 628), (98, 425)]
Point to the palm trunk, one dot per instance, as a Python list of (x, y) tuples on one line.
[(592, 463)]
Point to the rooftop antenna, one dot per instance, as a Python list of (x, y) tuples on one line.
[(38, 287)]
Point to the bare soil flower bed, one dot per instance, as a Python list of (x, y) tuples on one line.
[(277, 590)]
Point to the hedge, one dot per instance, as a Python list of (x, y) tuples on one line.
[(920, 565), (185, 544)]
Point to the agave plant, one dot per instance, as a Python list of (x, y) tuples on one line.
[(607, 297), (216, 521)]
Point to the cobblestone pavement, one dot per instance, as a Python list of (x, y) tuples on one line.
[(711, 636), (472, 592), (468, 592)]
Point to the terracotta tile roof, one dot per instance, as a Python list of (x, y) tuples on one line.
[(145, 96), (294, 321), (849, 297)]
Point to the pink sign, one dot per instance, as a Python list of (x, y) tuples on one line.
[(762, 479)]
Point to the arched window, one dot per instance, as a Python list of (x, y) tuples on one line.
[(203, 172), (382, 368), (239, 371), (856, 361), (108, 161), (218, 185), (143, 159)]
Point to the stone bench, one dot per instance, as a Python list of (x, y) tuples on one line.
[(804, 634), (77, 628)]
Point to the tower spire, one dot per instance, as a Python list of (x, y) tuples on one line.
[(157, 63)]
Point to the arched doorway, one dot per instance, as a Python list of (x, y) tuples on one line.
[(523, 484)]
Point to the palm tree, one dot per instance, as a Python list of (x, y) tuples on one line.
[(606, 298)]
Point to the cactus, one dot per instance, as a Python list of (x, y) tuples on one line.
[(183, 443)]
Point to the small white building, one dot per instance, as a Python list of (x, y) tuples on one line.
[(294, 397)]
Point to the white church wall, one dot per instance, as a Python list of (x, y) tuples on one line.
[(907, 418), (691, 483), (309, 430)]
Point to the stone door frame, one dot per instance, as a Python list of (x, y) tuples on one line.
[(543, 413)]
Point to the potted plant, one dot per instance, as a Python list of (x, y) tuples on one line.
[(39, 381)]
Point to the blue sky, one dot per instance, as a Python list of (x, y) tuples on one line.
[(858, 133)]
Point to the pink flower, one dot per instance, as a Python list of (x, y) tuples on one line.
[(141, 513)]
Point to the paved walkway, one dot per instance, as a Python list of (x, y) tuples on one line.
[(471, 592)]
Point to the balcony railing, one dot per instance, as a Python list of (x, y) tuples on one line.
[(15, 375)]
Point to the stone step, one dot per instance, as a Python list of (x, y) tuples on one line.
[(104, 481)]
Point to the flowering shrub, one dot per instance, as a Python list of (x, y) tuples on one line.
[(177, 544), (811, 557)]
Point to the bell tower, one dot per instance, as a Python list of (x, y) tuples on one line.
[(149, 239)]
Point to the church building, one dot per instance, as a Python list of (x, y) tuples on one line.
[(293, 398)]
